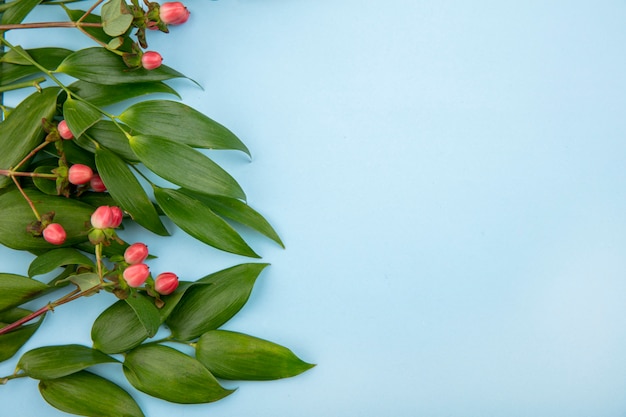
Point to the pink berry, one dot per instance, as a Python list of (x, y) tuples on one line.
[(96, 184), (173, 13), (64, 130), (136, 253), (151, 60), (118, 215), (106, 217), (135, 275), (166, 283), (54, 233), (79, 174)]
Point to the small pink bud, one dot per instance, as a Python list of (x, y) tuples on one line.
[(151, 60), (54, 233), (96, 184), (135, 275), (136, 253), (64, 130), (166, 283), (173, 13), (106, 217), (79, 174), (118, 215)]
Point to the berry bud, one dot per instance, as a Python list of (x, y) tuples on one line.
[(166, 283), (54, 233), (96, 184), (173, 13), (136, 253), (79, 174), (118, 215), (151, 60), (64, 130), (106, 217), (136, 275)]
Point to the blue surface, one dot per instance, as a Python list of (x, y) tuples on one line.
[(448, 177)]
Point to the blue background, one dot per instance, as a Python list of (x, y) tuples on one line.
[(448, 177)]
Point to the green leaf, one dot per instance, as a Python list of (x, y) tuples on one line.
[(184, 166), (200, 222), (11, 342), (16, 215), (49, 58), (79, 116), (85, 281), (45, 185), (55, 258), (107, 134), (116, 18), (174, 298), (127, 191), (86, 394), (237, 211), (97, 65), (231, 355), (205, 308), (22, 130), (117, 329), (51, 362), (18, 11), (166, 373), (180, 123), (15, 57), (146, 312), (16, 289), (103, 95)]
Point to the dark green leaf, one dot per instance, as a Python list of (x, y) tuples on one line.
[(11, 342), (51, 362), (205, 308), (172, 300), (116, 18), (73, 215), (166, 373), (184, 166), (180, 123), (16, 56), (55, 258), (117, 329), (231, 355), (97, 65), (22, 130), (45, 185), (200, 222), (103, 95), (86, 394), (16, 289), (18, 11), (79, 115), (146, 312), (127, 191), (107, 134), (49, 58)]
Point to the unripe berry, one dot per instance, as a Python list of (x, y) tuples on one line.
[(54, 233), (96, 184), (166, 283), (135, 275), (136, 253), (173, 13), (106, 217), (79, 174), (151, 60), (64, 130)]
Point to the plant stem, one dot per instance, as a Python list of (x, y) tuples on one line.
[(7, 378), (27, 198), (10, 173), (17, 86), (43, 25)]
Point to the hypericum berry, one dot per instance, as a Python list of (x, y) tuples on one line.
[(54, 233), (118, 215), (106, 217), (173, 13), (151, 60), (135, 275), (96, 184), (64, 130), (166, 283), (136, 253), (79, 174)]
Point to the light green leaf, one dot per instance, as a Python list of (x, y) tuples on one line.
[(51, 362), (166, 373), (16, 289), (79, 116), (85, 281), (200, 222), (11, 342), (231, 355), (127, 191), (117, 329), (55, 258), (49, 58), (146, 312), (86, 394), (45, 185), (16, 56), (22, 130), (103, 95), (205, 308), (116, 18), (180, 123), (184, 166)]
